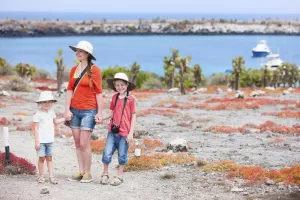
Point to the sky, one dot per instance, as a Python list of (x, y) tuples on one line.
[(157, 6)]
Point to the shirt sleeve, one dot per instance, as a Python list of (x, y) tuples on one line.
[(97, 79), (71, 79), (112, 103), (36, 117)]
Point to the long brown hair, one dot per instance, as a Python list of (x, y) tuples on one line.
[(89, 72)]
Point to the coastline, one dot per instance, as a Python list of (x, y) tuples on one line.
[(36, 28)]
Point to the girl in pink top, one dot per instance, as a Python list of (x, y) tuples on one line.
[(120, 127)]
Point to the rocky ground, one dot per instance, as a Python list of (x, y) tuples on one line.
[(269, 150)]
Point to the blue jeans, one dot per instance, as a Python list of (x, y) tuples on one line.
[(83, 119), (45, 150), (113, 142)]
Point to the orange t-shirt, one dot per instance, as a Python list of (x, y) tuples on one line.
[(83, 97)]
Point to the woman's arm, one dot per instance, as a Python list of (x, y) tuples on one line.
[(99, 100), (68, 113)]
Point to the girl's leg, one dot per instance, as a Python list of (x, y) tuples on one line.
[(85, 147), (105, 169), (41, 166), (50, 165), (122, 155), (76, 136), (120, 171)]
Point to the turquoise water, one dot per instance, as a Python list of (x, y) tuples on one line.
[(213, 53)]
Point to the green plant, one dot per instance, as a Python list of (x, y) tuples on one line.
[(59, 61)]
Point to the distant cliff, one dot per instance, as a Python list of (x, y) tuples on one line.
[(31, 28)]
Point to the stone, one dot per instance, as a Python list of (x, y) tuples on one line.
[(236, 189), (178, 145), (45, 191)]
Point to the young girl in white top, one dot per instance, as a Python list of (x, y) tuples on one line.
[(43, 126)]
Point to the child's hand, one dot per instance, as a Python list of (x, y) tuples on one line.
[(129, 137), (68, 115), (98, 118), (37, 145)]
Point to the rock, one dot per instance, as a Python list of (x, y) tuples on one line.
[(229, 90), (201, 90), (239, 94), (254, 94), (269, 88), (236, 189), (269, 182), (161, 124), (285, 92), (4, 93), (173, 90), (44, 191), (219, 90), (178, 145)]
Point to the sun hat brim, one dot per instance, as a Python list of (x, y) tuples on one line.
[(75, 49), (110, 83), (39, 101)]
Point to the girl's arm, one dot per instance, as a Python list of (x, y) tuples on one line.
[(132, 126), (59, 121), (36, 135)]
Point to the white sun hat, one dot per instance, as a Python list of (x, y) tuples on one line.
[(46, 96), (85, 46), (120, 76)]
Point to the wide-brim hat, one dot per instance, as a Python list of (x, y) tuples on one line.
[(120, 76), (46, 96), (85, 46)]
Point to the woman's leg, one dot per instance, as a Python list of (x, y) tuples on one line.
[(76, 136), (85, 148)]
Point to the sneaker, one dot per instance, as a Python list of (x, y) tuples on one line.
[(86, 178), (75, 177)]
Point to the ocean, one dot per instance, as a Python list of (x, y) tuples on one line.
[(213, 53)]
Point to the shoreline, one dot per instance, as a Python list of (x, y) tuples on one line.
[(201, 27)]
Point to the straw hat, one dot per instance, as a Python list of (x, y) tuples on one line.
[(46, 96), (85, 46), (120, 76)]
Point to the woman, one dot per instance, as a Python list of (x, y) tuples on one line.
[(84, 106)]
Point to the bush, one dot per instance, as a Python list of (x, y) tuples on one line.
[(217, 79), (152, 84), (40, 73), (5, 68), (17, 83)]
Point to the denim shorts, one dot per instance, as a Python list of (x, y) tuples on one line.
[(45, 150), (83, 119), (113, 142)]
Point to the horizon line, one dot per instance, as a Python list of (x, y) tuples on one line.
[(141, 12)]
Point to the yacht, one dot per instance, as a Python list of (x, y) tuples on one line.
[(261, 49), (274, 61)]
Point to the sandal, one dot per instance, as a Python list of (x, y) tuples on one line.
[(41, 180), (104, 179), (53, 180), (116, 181)]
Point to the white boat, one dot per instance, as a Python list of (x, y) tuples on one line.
[(274, 61), (261, 49)]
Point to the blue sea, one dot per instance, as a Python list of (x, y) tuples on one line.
[(213, 53)]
